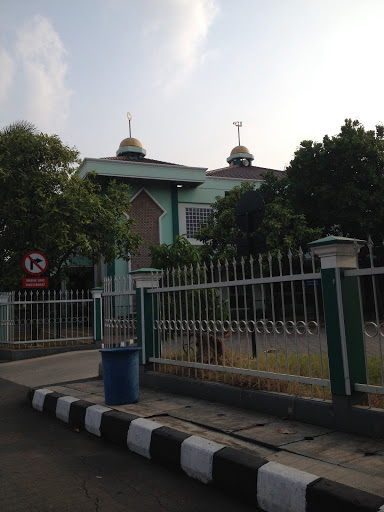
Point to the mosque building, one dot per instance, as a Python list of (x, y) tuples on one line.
[(168, 199)]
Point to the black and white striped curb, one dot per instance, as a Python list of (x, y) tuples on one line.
[(271, 486)]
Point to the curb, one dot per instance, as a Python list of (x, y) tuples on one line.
[(271, 486), (9, 354)]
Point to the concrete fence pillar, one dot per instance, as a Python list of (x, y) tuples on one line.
[(146, 310), (343, 319)]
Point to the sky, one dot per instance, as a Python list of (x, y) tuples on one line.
[(289, 70)]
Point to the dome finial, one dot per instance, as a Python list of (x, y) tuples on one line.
[(239, 124), (129, 116)]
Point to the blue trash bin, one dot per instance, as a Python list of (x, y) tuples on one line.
[(121, 375)]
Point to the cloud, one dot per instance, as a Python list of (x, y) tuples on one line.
[(7, 66), (44, 61), (175, 35)]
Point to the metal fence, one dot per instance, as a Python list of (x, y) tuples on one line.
[(119, 312), (37, 317), (255, 323), (371, 296)]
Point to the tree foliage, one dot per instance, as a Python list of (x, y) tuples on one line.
[(282, 227), (178, 254), (45, 206), (285, 229), (182, 264), (220, 233), (338, 184)]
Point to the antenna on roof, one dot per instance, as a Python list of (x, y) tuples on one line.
[(129, 115), (238, 124)]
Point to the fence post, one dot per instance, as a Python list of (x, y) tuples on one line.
[(4, 298), (97, 314), (343, 319), (146, 310)]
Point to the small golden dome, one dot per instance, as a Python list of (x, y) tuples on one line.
[(130, 141), (239, 149)]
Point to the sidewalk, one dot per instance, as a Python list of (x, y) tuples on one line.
[(347, 459), (344, 458)]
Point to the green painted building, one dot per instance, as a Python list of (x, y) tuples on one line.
[(168, 199)]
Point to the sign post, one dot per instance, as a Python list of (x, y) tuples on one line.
[(250, 210), (35, 263)]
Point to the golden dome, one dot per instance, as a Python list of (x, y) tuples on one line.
[(239, 149), (130, 141)]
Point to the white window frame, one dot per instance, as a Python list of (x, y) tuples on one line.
[(183, 219)]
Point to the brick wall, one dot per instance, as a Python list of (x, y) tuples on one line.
[(146, 213)]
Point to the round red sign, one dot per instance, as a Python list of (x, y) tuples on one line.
[(35, 263)]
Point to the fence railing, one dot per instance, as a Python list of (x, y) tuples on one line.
[(257, 323), (119, 312), (371, 299), (309, 325), (34, 317)]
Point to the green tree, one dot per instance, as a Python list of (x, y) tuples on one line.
[(285, 229), (175, 255), (183, 265), (45, 206), (282, 227), (220, 234), (338, 184)]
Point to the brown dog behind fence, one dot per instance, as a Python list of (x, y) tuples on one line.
[(205, 345)]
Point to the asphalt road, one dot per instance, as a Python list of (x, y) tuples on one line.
[(45, 466)]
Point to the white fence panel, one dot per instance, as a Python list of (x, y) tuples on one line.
[(119, 312), (371, 295), (34, 317), (258, 322)]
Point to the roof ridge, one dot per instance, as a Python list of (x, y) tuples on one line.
[(142, 160), (251, 167)]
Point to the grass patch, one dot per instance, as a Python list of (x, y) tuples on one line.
[(274, 363), (315, 366)]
